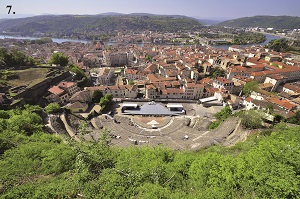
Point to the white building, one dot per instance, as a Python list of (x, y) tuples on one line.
[(223, 83), (103, 77)]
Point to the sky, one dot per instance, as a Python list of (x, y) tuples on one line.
[(208, 9)]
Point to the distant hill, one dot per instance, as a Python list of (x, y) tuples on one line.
[(208, 22), (69, 24), (278, 22), (3, 20), (111, 14)]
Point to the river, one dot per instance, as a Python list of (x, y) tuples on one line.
[(58, 40)]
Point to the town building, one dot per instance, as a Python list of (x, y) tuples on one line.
[(223, 83), (120, 91), (62, 92), (104, 76), (115, 59)]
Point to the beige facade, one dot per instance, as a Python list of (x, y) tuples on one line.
[(223, 83), (116, 59), (188, 91), (103, 77), (120, 91), (62, 92)]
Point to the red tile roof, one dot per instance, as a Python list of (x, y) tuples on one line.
[(174, 90), (223, 80), (283, 103), (130, 71), (66, 84), (56, 90)]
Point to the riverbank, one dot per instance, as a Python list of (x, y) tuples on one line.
[(57, 40), (272, 34), (269, 37)]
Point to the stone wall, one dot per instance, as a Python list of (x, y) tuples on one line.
[(39, 90)]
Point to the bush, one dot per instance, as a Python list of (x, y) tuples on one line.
[(224, 113), (251, 119), (97, 95), (59, 59), (53, 108), (214, 124)]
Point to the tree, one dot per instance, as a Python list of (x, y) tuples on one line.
[(278, 118), (218, 72), (79, 72), (295, 119), (249, 87), (224, 113), (131, 82), (15, 58), (109, 97), (18, 57), (106, 101), (199, 68), (59, 59), (221, 116), (4, 114), (279, 45), (147, 57), (26, 123), (214, 124), (97, 95), (270, 108), (53, 108), (251, 119)]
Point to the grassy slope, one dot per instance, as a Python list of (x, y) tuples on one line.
[(29, 76)]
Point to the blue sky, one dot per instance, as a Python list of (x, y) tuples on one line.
[(216, 9)]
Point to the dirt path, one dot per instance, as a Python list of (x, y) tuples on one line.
[(68, 128), (49, 124), (94, 123)]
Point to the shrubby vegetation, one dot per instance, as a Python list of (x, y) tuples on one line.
[(34, 164), (59, 59), (53, 108), (248, 38), (43, 40), (14, 58), (252, 119), (77, 70), (97, 95), (295, 119), (131, 82), (282, 45), (6, 75), (249, 87), (217, 72), (83, 79), (220, 116), (106, 101)]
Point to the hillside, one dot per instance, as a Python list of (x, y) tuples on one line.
[(35, 164), (278, 22), (68, 24)]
